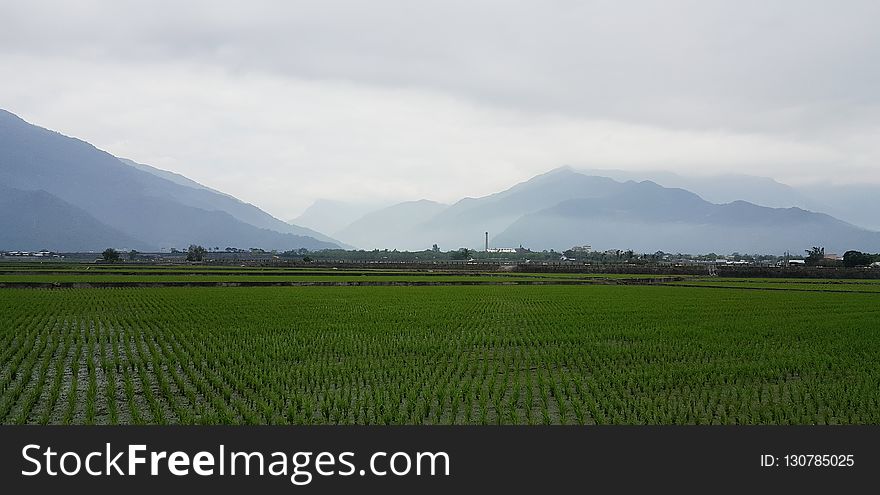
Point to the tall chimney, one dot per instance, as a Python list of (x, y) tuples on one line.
[(487, 242)]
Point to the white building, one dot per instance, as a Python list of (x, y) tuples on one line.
[(501, 250)]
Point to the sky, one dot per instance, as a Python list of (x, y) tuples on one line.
[(283, 102)]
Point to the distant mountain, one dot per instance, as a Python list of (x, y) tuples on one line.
[(205, 198), (145, 204), (857, 204), (420, 224), (564, 208), (644, 216), (530, 195), (35, 220), (395, 227), (332, 216), (464, 223), (724, 188)]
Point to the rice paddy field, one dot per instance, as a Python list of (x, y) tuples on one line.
[(695, 351)]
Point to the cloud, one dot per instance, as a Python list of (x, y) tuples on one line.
[(283, 102)]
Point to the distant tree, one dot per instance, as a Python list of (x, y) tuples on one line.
[(435, 248), (110, 255), (132, 255), (306, 259), (461, 254), (857, 258), (195, 253), (815, 255)]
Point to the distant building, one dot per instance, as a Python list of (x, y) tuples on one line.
[(833, 257), (500, 250), (586, 248)]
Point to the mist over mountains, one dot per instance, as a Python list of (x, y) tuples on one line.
[(330, 215), (566, 207), (855, 203), (644, 216), (63, 194), (395, 225), (116, 202)]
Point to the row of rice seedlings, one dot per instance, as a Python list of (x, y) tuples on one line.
[(61, 364), (33, 391)]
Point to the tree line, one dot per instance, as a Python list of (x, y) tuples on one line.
[(816, 257)]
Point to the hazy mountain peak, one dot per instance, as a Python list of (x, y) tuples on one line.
[(561, 170), (6, 115), (140, 203)]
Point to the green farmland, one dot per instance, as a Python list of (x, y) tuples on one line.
[(558, 354)]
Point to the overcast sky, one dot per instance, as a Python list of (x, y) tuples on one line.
[(280, 103)]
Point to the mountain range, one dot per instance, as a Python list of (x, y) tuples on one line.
[(567, 207), (854, 203), (64, 182), (63, 194)]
